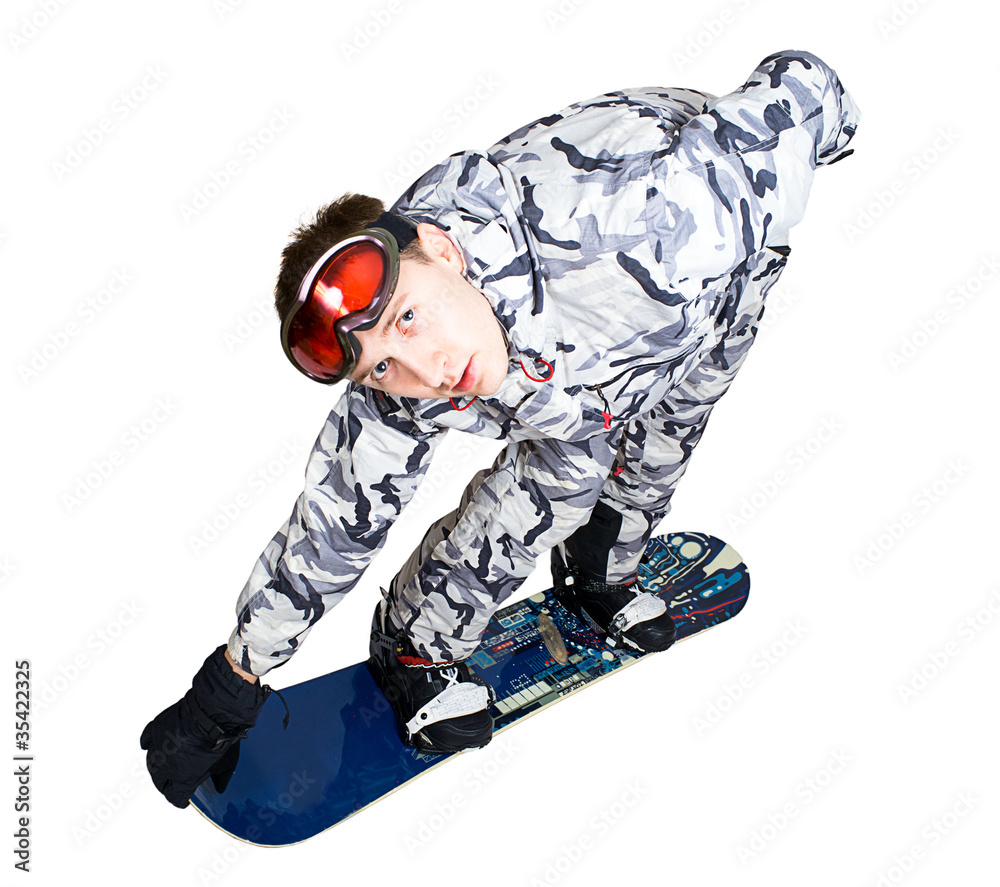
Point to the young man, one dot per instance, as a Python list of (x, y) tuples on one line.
[(586, 290)]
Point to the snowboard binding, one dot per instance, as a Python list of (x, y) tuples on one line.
[(440, 707), (622, 613)]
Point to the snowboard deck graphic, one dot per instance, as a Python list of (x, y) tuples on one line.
[(341, 751)]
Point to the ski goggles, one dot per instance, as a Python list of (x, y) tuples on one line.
[(344, 292)]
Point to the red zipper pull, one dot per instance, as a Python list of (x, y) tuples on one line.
[(606, 412)]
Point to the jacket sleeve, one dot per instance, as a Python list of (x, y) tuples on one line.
[(737, 176), (537, 494), (364, 467)]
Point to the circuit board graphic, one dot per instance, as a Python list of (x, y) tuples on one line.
[(341, 752)]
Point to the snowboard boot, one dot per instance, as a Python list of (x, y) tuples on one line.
[(624, 614), (440, 707)]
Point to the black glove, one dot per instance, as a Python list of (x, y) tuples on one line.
[(199, 736)]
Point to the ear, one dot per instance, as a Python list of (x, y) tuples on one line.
[(438, 245)]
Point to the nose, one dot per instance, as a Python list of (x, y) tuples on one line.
[(430, 367)]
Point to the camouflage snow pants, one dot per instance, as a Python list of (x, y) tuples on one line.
[(654, 450)]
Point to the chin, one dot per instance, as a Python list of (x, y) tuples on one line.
[(491, 383)]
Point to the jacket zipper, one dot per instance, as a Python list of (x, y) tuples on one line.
[(607, 408)]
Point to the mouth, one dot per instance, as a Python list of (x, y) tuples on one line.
[(468, 380)]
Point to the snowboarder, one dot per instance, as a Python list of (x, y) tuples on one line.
[(586, 290)]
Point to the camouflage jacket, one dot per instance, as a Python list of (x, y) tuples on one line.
[(607, 238)]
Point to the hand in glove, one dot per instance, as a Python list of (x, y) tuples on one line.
[(199, 735)]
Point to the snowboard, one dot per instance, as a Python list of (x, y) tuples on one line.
[(341, 751)]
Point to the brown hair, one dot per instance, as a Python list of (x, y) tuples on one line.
[(345, 216)]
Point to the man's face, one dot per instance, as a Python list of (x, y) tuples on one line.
[(438, 336)]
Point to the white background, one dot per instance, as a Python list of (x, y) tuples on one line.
[(794, 745)]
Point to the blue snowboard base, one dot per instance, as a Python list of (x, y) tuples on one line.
[(342, 752)]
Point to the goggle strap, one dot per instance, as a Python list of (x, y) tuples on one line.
[(401, 228)]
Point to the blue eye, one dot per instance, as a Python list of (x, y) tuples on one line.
[(405, 319), (379, 370)]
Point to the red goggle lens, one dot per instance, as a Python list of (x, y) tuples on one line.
[(349, 283)]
